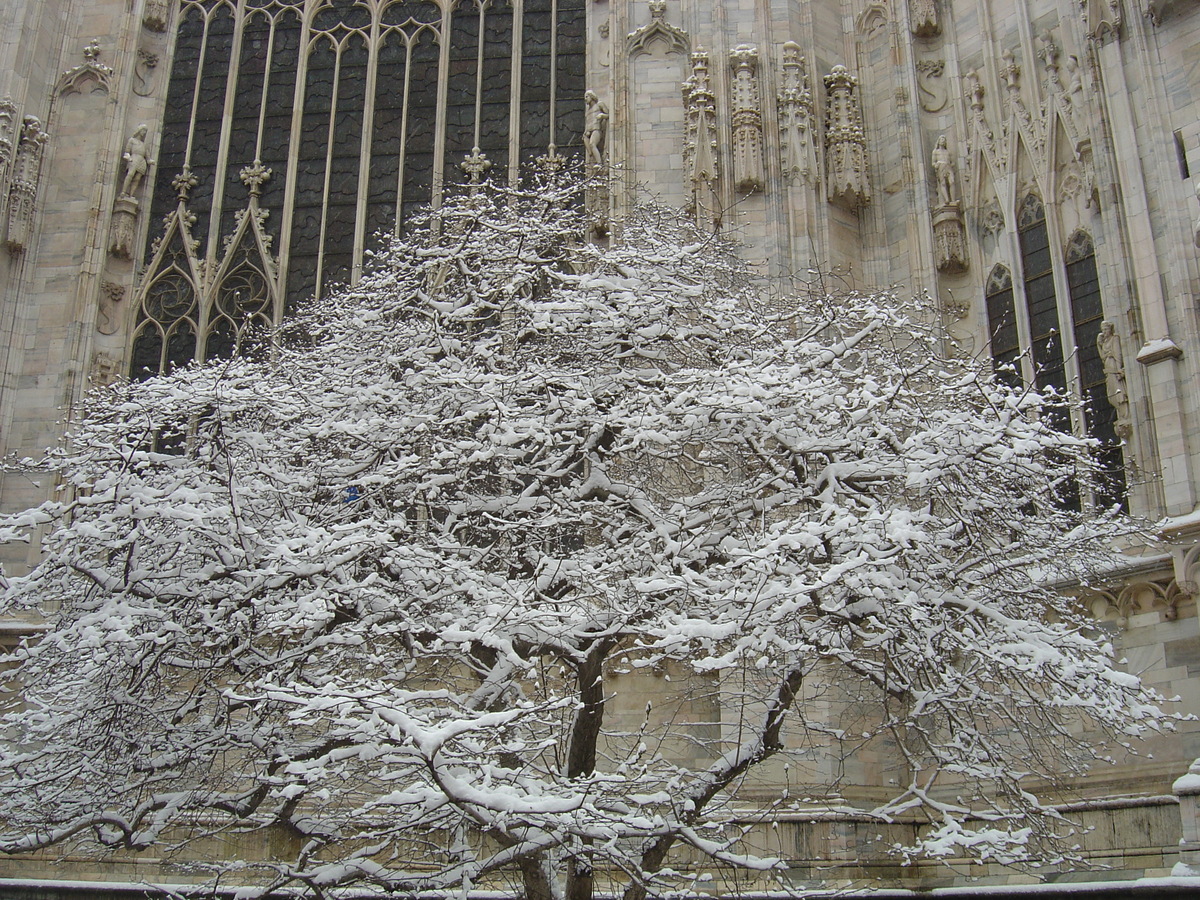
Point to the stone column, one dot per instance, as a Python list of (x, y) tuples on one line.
[(1187, 789)]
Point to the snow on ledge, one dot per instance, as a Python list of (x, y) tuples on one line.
[(1152, 887), (1156, 351)]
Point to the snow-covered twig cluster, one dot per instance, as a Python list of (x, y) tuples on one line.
[(386, 591)]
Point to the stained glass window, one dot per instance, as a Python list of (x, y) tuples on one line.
[(345, 125)]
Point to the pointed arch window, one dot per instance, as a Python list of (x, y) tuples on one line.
[(1002, 324), (1041, 305), (1074, 368), (1087, 314), (352, 112)]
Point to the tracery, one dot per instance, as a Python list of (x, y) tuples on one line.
[(347, 115)]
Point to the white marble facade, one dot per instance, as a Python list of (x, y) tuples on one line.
[(809, 128)]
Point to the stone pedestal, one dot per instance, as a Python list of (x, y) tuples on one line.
[(155, 16), (1187, 789), (124, 227), (949, 240)]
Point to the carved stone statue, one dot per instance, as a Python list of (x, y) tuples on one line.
[(595, 128), (1109, 346), (943, 172), (137, 161)]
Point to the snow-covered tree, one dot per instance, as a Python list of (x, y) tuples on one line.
[(386, 591)]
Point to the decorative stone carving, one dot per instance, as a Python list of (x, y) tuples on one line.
[(923, 18), (23, 185), (595, 143), (1072, 98), (1032, 129), (105, 369), (1141, 596), (137, 161), (700, 149), (797, 122), (747, 120), (1049, 53), (111, 294), (476, 165), (1109, 346), (143, 71), (658, 30), (90, 71), (604, 51), (872, 20), (991, 217), (1196, 227), (933, 95), (943, 173), (8, 135), (123, 230), (949, 235), (184, 183), (1101, 18), (845, 142), (595, 129), (254, 176), (155, 15), (981, 139), (1010, 73), (950, 246)]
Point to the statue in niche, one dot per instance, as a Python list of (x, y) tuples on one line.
[(1109, 346), (595, 128), (943, 172), (1073, 98), (949, 237), (137, 161)]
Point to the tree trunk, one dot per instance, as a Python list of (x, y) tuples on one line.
[(720, 776), (581, 751)]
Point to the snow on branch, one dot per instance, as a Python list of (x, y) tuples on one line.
[(518, 564)]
